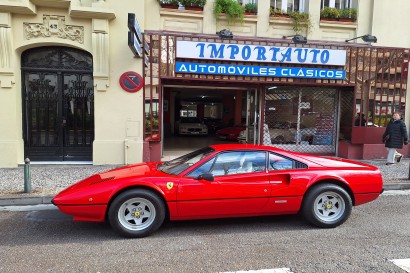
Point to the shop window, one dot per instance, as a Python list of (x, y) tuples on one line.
[(301, 119), (152, 119)]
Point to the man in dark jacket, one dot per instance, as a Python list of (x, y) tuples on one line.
[(394, 137)]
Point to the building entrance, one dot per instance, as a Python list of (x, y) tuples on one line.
[(196, 117), (58, 104)]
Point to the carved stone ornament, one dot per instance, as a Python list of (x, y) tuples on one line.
[(54, 26)]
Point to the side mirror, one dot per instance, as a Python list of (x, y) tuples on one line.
[(206, 176)]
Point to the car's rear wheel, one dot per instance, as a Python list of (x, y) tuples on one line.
[(136, 213), (327, 206)]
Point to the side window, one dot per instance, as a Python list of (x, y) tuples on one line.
[(204, 168), (233, 163), (277, 162), (239, 163), (226, 163)]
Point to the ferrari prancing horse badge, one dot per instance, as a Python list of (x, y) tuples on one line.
[(170, 185)]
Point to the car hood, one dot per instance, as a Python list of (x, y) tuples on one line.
[(135, 171)]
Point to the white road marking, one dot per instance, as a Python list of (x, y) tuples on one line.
[(28, 208), (396, 192), (274, 270), (402, 263)]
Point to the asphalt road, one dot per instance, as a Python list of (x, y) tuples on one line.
[(47, 241)]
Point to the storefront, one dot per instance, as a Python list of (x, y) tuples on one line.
[(302, 97)]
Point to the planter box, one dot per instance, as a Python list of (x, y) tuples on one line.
[(167, 6), (195, 8)]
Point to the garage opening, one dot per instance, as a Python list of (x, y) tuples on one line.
[(194, 117)]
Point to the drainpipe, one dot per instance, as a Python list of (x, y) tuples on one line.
[(126, 147)]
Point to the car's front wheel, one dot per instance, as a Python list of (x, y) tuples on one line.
[(327, 206), (136, 213)]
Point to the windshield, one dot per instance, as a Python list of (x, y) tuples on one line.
[(180, 164)]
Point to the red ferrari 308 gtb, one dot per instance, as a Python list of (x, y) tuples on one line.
[(232, 180)]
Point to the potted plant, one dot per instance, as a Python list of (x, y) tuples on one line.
[(348, 15), (169, 4), (251, 8), (331, 14), (231, 8), (301, 21), (193, 4)]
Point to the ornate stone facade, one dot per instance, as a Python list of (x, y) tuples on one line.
[(54, 26)]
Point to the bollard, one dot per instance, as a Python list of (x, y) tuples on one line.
[(27, 176)]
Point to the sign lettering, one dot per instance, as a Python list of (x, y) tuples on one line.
[(259, 71), (256, 53)]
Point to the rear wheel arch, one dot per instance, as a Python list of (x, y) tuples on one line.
[(334, 182), (326, 204)]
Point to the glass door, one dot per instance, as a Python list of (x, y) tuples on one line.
[(42, 112), (252, 117)]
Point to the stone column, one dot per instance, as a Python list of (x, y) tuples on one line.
[(100, 41), (6, 70)]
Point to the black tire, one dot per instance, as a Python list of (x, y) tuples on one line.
[(149, 213), (326, 206)]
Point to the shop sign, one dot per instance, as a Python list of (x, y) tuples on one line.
[(134, 35), (131, 81), (259, 71), (134, 27), (258, 53), (134, 44)]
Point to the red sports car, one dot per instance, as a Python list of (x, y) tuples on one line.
[(232, 180), (229, 133)]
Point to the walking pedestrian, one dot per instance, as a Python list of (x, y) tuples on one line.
[(394, 136), (360, 120)]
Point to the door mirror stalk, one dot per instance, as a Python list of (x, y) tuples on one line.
[(206, 176)]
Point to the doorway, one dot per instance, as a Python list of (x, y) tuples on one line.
[(235, 110), (58, 104)]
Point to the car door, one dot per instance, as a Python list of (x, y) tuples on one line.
[(288, 182), (240, 187)]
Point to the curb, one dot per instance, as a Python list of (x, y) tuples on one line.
[(45, 200), (398, 186), (25, 201)]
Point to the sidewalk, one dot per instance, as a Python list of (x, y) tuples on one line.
[(48, 180)]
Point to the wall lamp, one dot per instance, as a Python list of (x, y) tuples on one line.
[(225, 34), (297, 39), (367, 38)]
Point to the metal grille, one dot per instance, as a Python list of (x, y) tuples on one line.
[(58, 104), (346, 115), (301, 118)]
